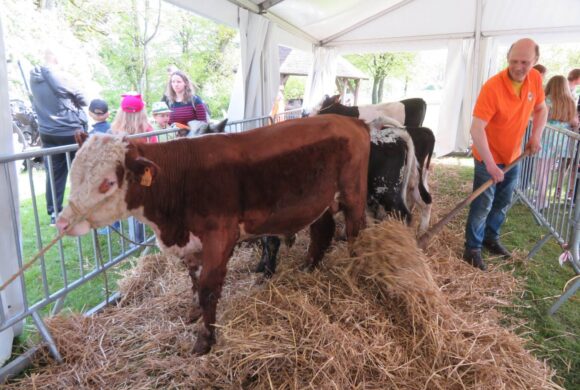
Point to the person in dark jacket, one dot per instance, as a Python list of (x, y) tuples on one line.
[(60, 114)]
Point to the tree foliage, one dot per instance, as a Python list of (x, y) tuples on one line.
[(379, 66), (117, 47)]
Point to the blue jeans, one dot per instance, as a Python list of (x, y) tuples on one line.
[(488, 211)]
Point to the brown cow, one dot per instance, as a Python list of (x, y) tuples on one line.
[(202, 195)]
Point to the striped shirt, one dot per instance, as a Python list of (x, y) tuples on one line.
[(184, 112)]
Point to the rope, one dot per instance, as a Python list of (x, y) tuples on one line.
[(327, 108), (79, 218), (568, 282), (128, 239)]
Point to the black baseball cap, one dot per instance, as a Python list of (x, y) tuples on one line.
[(98, 107)]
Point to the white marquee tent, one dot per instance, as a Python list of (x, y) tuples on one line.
[(471, 30)]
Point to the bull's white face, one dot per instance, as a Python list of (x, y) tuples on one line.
[(94, 177)]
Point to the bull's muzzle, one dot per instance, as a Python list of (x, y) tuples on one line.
[(63, 224)]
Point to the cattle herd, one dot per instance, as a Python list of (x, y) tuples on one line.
[(201, 195)]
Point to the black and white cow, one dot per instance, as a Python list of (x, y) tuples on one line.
[(398, 164), (392, 184), (394, 181), (423, 139)]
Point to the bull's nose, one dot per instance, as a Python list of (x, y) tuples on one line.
[(61, 224)]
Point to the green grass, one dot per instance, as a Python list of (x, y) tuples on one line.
[(553, 338)]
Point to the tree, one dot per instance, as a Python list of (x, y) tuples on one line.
[(117, 47), (380, 65), (121, 34)]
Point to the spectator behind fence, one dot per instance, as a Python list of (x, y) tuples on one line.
[(185, 105), (555, 148), (500, 119), (161, 114), (99, 112), (278, 107), (59, 107), (542, 69), (170, 70), (561, 104), (573, 82), (132, 118)]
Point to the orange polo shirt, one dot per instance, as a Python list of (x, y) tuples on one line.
[(507, 114)]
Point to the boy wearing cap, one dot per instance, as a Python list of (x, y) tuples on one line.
[(99, 112), (160, 115)]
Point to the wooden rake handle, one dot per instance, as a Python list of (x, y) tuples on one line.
[(435, 229)]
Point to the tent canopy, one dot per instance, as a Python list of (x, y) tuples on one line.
[(352, 25), (470, 30)]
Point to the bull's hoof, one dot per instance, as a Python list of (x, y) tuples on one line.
[(268, 273), (203, 343), (194, 314), (201, 347), (290, 240), (261, 267), (264, 269), (307, 267)]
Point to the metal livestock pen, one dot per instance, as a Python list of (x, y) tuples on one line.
[(548, 187)]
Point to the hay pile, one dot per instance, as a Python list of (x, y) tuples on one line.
[(388, 318)]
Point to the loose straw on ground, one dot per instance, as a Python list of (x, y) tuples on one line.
[(391, 318)]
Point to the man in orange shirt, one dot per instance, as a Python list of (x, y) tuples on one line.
[(500, 118)]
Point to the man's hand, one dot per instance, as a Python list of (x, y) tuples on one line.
[(495, 173), (533, 146)]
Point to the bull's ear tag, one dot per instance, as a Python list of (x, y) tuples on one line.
[(146, 178)]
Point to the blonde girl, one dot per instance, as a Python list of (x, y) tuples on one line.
[(132, 118)]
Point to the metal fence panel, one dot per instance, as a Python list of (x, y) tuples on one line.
[(549, 188)]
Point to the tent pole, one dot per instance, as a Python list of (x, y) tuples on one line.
[(476, 48)]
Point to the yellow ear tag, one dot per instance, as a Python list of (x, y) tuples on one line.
[(147, 178)]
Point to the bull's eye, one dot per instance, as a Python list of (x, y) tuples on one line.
[(106, 185)]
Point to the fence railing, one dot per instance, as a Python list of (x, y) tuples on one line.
[(291, 114), (73, 265), (549, 187)]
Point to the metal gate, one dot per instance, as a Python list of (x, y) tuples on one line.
[(549, 186)]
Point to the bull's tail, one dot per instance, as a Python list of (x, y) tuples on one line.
[(429, 159), (410, 164), (425, 195)]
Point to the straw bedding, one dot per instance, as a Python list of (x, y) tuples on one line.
[(388, 318)]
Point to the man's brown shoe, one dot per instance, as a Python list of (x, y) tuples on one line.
[(495, 247), (473, 257)]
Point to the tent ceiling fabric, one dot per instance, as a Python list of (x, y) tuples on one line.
[(351, 23)]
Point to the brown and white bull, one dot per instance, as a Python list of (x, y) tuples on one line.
[(202, 195)]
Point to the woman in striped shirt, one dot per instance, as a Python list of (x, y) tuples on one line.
[(184, 104)]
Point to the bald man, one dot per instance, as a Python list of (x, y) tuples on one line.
[(500, 118)]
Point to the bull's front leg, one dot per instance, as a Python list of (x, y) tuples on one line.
[(217, 249), (193, 263)]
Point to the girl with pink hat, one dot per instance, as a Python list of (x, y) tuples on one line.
[(132, 118)]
